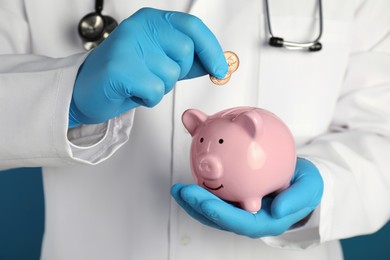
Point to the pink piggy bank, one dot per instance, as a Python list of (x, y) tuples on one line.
[(240, 154)]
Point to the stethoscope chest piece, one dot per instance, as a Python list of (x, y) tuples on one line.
[(95, 27)]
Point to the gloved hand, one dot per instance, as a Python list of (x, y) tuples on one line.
[(140, 62), (274, 218)]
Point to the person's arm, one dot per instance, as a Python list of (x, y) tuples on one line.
[(34, 96), (94, 94), (353, 158)]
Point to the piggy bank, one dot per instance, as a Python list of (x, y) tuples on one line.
[(240, 154)]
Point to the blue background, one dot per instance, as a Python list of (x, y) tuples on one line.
[(22, 218)]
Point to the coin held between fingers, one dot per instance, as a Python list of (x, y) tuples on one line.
[(233, 63), (222, 81)]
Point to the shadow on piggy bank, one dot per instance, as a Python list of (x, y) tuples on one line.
[(240, 154)]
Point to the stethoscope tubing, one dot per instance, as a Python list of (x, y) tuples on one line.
[(314, 45)]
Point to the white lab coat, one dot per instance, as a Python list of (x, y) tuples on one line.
[(336, 102)]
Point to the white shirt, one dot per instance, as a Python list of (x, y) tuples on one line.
[(336, 102)]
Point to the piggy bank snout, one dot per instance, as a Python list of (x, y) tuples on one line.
[(210, 167)]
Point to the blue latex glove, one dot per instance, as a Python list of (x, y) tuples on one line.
[(141, 61), (276, 215)]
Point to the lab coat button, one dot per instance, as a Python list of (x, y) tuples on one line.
[(185, 240)]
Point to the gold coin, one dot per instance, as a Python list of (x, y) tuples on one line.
[(233, 63), (223, 81)]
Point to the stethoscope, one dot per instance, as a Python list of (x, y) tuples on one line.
[(95, 27), (314, 45)]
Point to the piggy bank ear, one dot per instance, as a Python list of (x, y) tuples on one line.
[(251, 121), (192, 119)]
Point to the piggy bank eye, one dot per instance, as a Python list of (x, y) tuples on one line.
[(220, 141), (201, 139)]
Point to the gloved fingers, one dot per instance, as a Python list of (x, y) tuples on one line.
[(229, 217), (176, 194), (206, 44), (93, 92), (220, 213), (196, 70), (300, 195), (165, 68), (238, 220), (179, 47), (195, 195), (305, 191), (214, 212), (245, 223), (281, 225), (143, 88), (129, 104)]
